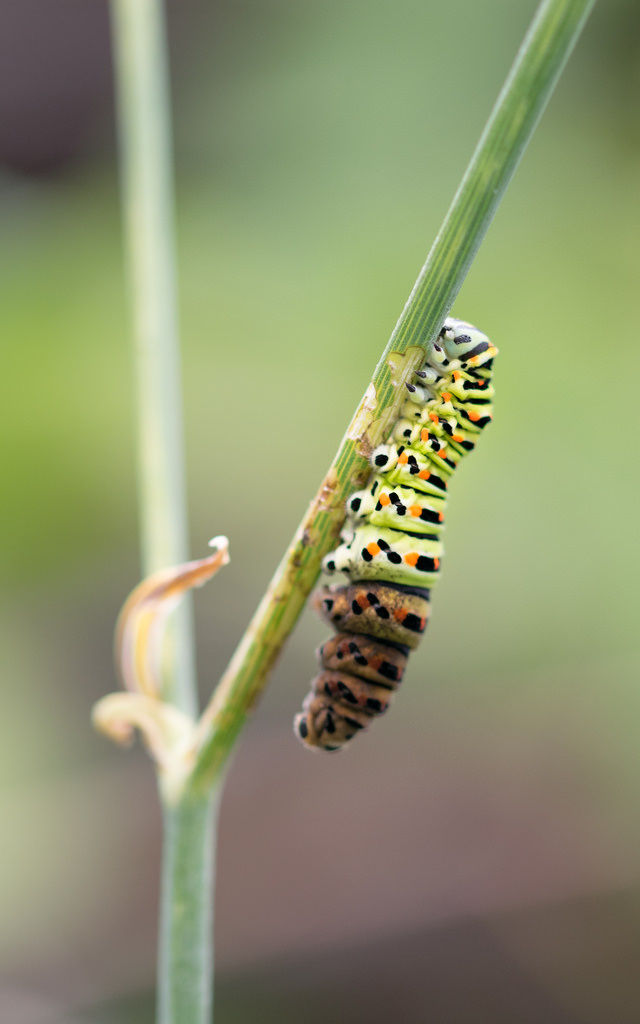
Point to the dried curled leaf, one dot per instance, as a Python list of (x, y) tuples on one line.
[(141, 623), (167, 732)]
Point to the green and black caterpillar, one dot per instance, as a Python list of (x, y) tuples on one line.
[(391, 544)]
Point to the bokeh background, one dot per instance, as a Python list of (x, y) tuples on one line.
[(476, 857)]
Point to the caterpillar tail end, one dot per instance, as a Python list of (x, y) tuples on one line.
[(360, 670), (310, 726), (333, 712)]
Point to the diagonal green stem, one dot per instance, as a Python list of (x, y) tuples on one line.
[(538, 65)]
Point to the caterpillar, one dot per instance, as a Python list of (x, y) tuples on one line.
[(391, 543)]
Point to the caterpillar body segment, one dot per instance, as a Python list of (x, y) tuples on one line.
[(380, 553), (398, 615), (397, 507), (365, 658), (391, 546), (328, 723)]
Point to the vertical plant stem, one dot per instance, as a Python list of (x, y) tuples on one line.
[(185, 991), (185, 946), (145, 135)]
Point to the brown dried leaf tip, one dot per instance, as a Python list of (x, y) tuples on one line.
[(168, 732)]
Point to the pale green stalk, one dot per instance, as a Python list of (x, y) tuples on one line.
[(145, 138), (185, 959), (185, 963)]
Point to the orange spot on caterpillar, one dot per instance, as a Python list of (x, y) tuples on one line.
[(473, 416), (436, 563), (415, 510), (457, 437), (384, 499), (456, 374), (403, 459), (424, 474), (424, 434), (373, 549), (446, 395), (362, 601), (411, 558), (434, 417), (440, 517), (400, 614)]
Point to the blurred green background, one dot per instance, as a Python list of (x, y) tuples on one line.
[(477, 855)]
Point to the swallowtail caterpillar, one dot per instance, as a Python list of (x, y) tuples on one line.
[(391, 543)]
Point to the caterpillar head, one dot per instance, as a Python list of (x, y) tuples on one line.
[(460, 342)]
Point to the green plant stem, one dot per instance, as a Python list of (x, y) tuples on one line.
[(185, 961), (185, 990), (538, 65), (145, 137)]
